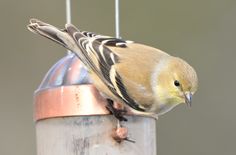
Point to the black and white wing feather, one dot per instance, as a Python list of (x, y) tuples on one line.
[(93, 51), (101, 60)]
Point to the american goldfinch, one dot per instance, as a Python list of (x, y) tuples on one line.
[(144, 78)]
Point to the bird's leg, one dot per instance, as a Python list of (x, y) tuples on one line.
[(118, 113)]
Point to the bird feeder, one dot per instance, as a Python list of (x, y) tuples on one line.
[(71, 117)]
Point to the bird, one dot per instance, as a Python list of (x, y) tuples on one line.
[(142, 78)]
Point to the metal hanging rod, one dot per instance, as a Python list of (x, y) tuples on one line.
[(68, 11), (117, 18), (68, 16)]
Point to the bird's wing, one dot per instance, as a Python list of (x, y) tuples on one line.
[(101, 60), (93, 51)]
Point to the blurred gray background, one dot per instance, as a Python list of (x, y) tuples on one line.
[(203, 32)]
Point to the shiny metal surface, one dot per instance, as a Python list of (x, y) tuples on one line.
[(68, 101), (67, 71), (66, 90)]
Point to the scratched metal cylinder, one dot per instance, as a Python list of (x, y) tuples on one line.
[(91, 135), (71, 118)]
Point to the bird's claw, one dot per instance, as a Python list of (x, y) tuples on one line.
[(118, 113)]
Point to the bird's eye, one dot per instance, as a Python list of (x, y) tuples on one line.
[(176, 83)]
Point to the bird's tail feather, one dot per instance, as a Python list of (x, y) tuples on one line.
[(62, 37)]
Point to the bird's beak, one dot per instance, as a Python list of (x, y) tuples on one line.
[(188, 98)]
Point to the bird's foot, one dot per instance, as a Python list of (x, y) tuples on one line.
[(118, 113)]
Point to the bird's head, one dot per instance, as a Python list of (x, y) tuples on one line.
[(176, 83)]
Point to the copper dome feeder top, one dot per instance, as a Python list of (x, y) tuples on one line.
[(66, 90)]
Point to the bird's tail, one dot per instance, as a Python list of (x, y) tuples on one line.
[(60, 36)]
